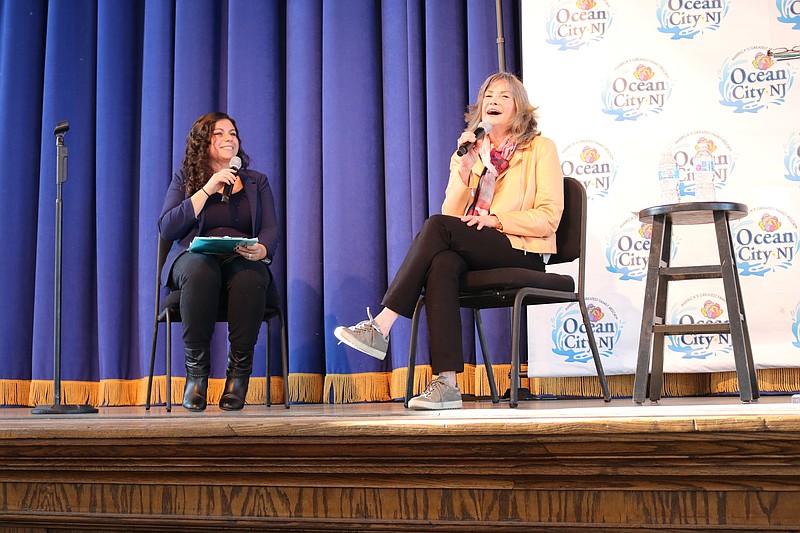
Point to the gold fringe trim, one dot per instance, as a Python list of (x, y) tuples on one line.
[(769, 380), (72, 392), (397, 385), (466, 380), (256, 390), (306, 388), (15, 391), (501, 379), (579, 386), (351, 388)]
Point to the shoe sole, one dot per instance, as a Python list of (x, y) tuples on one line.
[(435, 407), (341, 333)]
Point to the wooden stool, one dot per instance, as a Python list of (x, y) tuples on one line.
[(659, 274)]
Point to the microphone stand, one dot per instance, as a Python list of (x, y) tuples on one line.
[(61, 176)]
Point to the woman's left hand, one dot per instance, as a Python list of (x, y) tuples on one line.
[(256, 252), (482, 221)]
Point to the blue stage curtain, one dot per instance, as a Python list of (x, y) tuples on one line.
[(351, 107)]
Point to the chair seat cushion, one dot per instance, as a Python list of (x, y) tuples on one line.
[(515, 278)]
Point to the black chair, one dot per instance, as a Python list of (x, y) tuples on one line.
[(519, 287), (168, 311)]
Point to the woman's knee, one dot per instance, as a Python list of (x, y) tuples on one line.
[(197, 271), (447, 263)]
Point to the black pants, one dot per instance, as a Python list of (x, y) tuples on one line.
[(441, 253), (204, 281)]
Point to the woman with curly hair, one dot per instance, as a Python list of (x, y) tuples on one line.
[(198, 204), (502, 206)]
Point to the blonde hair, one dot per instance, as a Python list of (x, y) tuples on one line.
[(524, 126)]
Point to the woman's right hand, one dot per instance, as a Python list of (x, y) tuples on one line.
[(469, 159), (219, 179)]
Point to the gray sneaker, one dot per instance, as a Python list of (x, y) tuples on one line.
[(365, 337), (438, 395)]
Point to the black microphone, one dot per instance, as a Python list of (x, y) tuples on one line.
[(235, 165), (484, 128)]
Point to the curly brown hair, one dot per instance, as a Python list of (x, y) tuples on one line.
[(195, 160)]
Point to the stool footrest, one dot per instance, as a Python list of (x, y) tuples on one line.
[(680, 329), (692, 272)]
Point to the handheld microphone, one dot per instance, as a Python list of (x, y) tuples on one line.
[(484, 128), (235, 165)]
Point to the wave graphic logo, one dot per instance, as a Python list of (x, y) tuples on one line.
[(752, 81), (792, 158), (569, 332), (686, 147), (765, 241), (591, 163), (638, 87), (685, 19), (796, 326), (574, 24), (628, 249), (700, 309), (789, 12)]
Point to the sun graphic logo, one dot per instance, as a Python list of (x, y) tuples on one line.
[(628, 249), (684, 151), (591, 163), (765, 241), (573, 24), (685, 19), (569, 332), (792, 158), (637, 87), (700, 309), (789, 12), (752, 81)]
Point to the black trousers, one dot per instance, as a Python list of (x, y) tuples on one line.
[(443, 250), (207, 280)]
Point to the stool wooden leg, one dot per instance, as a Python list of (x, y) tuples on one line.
[(649, 308), (740, 338)]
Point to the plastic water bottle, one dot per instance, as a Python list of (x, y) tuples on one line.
[(668, 179), (703, 162)]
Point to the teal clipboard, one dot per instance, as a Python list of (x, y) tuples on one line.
[(219, 245)]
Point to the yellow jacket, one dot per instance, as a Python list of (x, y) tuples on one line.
[(528, 196)]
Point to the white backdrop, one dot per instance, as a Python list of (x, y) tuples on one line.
[(619, 82)]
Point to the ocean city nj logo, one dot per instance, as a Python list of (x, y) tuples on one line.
[(751, 81), (789, 12), (628, 249), (569, 332), (636, 88), (765, 241), (792, 158), (572, 24), (703, 308), (684, 151), (591, 163), (796, 326), (685, 19)]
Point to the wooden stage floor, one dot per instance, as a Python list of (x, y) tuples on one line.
[(684, 464)]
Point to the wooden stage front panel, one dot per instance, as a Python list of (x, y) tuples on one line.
[(686, 464)]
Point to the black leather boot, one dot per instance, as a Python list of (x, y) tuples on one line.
[(198, 367), (240, 366)]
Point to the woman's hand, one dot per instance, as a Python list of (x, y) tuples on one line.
[(482, 221), (469, 159), (219, 179), (256, 252)]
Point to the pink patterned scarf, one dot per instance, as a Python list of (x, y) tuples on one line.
[(496, 162)]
